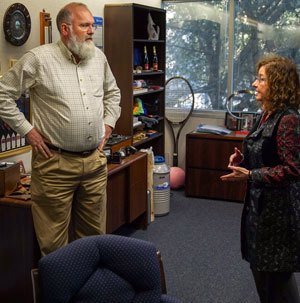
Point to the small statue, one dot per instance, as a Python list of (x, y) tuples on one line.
[(153, 34)]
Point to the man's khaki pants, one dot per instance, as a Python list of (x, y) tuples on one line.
[(68, 188)]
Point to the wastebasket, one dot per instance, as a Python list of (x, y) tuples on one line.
[(161, 187)]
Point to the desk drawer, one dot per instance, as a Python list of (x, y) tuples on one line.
[(206, 183), (209, 153)]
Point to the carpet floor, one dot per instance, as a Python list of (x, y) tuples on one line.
[(200, 245)]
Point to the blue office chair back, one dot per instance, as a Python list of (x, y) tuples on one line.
[(102, 269)]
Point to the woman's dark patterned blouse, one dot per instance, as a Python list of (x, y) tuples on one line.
[(288, 150)]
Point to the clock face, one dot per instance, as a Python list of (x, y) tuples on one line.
[(17, 24)]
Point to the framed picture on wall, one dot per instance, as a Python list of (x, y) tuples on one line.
[(13, 143)]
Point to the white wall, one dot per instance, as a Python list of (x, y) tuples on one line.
[(8, 51)]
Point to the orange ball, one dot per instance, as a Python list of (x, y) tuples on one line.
[(177, 177)]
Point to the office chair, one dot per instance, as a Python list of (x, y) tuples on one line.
[(102, 269)]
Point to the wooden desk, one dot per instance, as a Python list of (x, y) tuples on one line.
[(207, 158), (127, 192), (19, 251)]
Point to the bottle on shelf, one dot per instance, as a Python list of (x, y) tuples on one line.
[(155, 60), (3, 143), (13, 140), (8, 142), (146, 59), (18, 140)]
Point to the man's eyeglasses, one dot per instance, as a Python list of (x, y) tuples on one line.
[(260, 79), (86, 26)]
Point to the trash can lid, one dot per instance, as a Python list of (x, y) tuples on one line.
[(159, 159)]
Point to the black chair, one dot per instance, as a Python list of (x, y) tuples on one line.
[(102, 269)]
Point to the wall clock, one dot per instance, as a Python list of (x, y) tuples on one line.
[(17, 24)]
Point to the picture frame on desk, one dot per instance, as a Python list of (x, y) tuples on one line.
[(249, 119), (231, 122), (12, 143)]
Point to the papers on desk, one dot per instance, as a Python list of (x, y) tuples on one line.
[(212, 129)]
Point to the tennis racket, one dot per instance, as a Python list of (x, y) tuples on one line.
[(179, 105)]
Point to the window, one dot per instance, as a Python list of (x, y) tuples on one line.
[(216, 44)]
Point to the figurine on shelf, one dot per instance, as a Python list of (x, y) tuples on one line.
[(153, 34)]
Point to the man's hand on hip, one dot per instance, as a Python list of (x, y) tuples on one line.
[(108, 131), (37, 141)]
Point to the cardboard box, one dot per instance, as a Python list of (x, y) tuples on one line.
[(9, 178)]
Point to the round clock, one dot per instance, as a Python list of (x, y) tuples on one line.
[(17, 24)]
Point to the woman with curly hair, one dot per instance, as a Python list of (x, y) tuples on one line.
[(270, 162)]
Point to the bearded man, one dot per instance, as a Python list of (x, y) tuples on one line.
[(74, 107)]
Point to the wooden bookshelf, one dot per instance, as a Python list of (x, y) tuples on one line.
[(125, 34)]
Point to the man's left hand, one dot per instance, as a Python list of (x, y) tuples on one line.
[(108, 131)]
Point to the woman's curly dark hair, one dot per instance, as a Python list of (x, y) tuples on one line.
[(283, 82)]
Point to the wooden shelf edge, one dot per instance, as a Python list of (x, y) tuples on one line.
[(148, 74), (148, 41), (138, 143), (149, 92)]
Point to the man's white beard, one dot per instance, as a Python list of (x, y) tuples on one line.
[(85, 50)]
